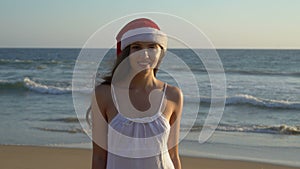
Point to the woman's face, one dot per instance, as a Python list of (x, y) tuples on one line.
[(144, 55)]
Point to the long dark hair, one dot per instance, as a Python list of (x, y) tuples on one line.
[(108, 79)]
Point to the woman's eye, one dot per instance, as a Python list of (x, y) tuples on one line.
[(136, 47), (153, 47)]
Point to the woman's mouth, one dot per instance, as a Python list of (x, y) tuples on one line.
[(144, 64)]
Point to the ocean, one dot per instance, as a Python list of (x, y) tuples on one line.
[(261, 119)]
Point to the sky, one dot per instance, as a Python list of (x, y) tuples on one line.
[(226, 23)]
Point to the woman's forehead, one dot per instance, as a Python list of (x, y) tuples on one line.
[(144, 43)]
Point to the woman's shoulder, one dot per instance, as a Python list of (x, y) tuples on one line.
[(102, 91), (175, 98), (174, 93), (102, 88)]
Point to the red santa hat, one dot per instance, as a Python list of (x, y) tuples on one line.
[(140, 30)]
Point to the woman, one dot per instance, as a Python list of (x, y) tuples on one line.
[(143, 134)]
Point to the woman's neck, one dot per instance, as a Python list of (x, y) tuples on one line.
[(144, 80)]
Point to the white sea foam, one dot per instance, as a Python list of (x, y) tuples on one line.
[(268, 129), (256, 101), (40, 88)]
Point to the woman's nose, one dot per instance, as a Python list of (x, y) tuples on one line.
[(145, 53)]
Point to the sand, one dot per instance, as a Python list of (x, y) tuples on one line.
[(34, 157)]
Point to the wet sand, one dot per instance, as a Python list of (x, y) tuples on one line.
[(35, 157)]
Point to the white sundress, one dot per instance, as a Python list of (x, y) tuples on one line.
[(139, 143)]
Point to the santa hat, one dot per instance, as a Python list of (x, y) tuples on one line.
[(140, 30)]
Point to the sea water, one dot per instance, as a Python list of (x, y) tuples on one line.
[(260, 122)]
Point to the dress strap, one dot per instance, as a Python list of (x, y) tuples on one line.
[(162, 98), (143, 119), (114, 97)]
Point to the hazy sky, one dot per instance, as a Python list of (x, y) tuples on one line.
[(227, 23)]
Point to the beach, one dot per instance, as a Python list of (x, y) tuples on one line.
[(37, 157)]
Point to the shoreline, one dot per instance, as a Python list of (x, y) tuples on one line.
[(36, 157)]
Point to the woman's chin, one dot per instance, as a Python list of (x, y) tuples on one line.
[(144, 69), (144, 66)]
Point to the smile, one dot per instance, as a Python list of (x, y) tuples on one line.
[(144, 63)]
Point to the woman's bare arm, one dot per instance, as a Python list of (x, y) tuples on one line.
[(177, 100), (99, 128)]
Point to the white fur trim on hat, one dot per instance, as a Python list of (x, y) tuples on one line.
[(145, 34)]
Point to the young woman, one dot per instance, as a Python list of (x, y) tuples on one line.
[(135, 116)]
